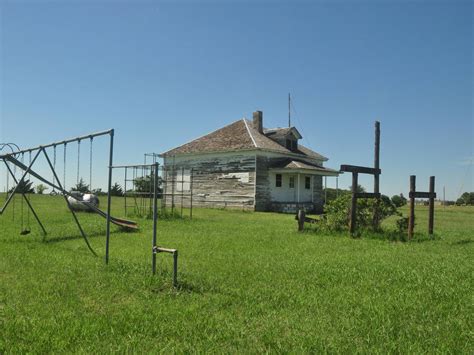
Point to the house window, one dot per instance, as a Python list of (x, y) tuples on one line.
[(307, 182), (292, 182), (294, 145), (288, 144), (278, 180)]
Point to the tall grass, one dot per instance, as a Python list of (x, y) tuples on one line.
[(248, 282)]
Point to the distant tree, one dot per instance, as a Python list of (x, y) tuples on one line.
[(41, 188), (81, 186), (359, 189), (466, 198), (331, 194), (145, 184), (98, 192), (399, 200), (25, 187), (116, 190)]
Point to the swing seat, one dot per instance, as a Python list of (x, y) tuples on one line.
[(25, 232)]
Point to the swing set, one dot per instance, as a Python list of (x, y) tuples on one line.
[(15, 159)]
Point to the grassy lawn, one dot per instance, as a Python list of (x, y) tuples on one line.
[(248, 283)]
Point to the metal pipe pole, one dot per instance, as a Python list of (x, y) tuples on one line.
[(75, 139), (411, 221), (191, 196), (155, 216), (109, 196)]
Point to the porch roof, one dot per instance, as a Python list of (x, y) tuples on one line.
[(294, 166)]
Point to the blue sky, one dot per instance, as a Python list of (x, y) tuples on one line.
[(163, 73)]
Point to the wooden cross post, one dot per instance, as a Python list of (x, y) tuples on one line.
[(431, 195), (411, 221), (376, 216), (353, 221), (431, 207), (375, 171)]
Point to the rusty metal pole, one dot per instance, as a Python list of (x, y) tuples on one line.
[(431, 206), (376, 216), (353, 222), (109, 195), (155, 215), (411, 221), (175, 268)]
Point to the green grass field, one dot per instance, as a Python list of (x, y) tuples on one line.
[(248, 283)]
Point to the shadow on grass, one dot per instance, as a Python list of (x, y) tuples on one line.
[(462, 242), (96, 234), (381, 235)]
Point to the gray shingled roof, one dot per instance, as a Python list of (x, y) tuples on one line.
[(239, 135)]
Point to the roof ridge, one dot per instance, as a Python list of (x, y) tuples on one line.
[(250, 133), (204, 135)]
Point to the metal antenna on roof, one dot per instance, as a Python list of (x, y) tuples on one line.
[(289, 110)]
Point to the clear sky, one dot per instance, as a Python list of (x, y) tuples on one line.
[(163, 73)]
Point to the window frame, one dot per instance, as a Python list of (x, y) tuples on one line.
[(278, 180), (307, 182), (291, 182)]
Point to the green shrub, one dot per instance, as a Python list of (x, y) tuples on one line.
[(337, 215)]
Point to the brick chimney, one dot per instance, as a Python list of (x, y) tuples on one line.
[(258, 121)]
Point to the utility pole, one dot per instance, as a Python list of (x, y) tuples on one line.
[(444, 196), (289, 110)]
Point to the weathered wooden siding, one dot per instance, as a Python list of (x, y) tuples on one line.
[(217, 181), (262, 186)]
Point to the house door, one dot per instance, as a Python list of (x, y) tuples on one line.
[(292, 187)]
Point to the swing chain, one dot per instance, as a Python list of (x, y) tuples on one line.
[(64, 166), (78, 160), (90, 165), (54, 168)]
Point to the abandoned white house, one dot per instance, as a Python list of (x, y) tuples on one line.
[(247, 166)]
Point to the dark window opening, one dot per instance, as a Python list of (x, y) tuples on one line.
[(288, 144), (278, 180), (294, 145), (292, 182), (307, 182)]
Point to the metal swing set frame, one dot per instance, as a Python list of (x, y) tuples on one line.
[(12, 158)]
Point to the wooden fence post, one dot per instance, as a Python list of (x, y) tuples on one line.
[(354, 203), (411, 221), (301, 218), (376, 215), (431, 206)]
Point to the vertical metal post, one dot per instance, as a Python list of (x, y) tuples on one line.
[(376, 217), (173, 181), (431, 206), (354, 203), (191, 196), (175, 268), (182, 190), (155, 216), (125, 191), (411, 221), (109, 196)]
